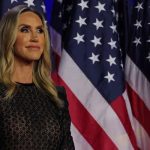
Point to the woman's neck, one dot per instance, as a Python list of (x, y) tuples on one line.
[(22, 73)]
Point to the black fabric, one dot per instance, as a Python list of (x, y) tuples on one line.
[(30, 121)]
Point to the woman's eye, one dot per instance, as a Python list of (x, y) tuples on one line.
[(24, 29), (40, 30)]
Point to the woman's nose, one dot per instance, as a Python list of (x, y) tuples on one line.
[(34, 36)]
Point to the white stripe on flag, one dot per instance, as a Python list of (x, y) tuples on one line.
[(79, 141), (132, 74), (143, 140), (93, 102)]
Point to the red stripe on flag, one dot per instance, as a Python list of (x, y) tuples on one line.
[(139, 109), (119, 107), (92, 132), (55, 77)]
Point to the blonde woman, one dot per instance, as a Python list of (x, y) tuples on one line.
[(33, 112)]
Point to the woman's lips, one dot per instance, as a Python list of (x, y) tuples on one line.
[(33, 47)]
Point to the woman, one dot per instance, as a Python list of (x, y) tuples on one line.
[(33, 113)]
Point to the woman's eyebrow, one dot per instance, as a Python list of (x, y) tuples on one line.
[(40, 26), (26, 25)]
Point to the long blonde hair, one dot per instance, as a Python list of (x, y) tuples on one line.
[(41, 69)]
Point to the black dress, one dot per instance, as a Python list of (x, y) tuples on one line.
[(31, 121)]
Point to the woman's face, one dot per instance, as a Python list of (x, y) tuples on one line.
[(30, 39)]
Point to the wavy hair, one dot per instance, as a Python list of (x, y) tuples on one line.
[(42, 67)]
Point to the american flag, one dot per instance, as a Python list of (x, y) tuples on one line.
[(106, 114), (5, 5), (138, 74)]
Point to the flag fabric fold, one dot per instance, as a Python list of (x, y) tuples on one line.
[(137, 72)]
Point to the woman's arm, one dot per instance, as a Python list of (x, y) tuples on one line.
[(67, 140)]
